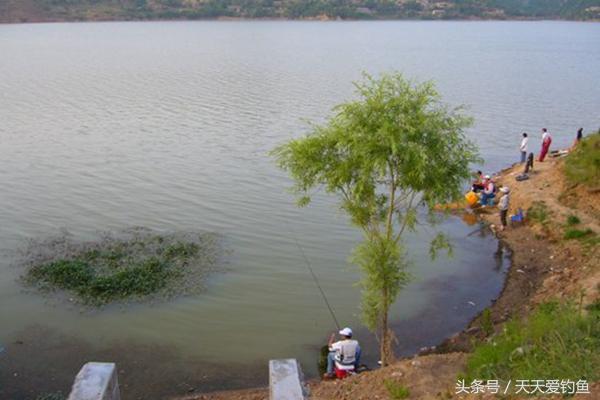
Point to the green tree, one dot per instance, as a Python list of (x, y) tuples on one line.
[(395, 148)]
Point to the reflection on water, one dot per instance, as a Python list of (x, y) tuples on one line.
[(144, 371), (168, 126), (470, 218)]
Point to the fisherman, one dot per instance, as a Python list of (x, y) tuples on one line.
[(546, 141), (489, 190), (477, 185), (503, 205), (523, 147), (578, 138), (344, 353)]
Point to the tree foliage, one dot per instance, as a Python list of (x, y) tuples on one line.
[(394, 148)]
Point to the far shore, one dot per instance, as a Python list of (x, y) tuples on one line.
[(23, 21)]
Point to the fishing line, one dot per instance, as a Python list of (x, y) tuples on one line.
[(309, 265), (480, 229)]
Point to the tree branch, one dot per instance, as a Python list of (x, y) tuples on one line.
[(404, 223)]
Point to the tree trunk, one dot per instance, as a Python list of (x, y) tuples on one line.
[(385, 335), (385, 349), (384, 343)]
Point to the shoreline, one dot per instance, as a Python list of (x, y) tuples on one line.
[(562, 271), (35, 21)]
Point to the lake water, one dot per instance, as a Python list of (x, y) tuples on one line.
[(167, 125)]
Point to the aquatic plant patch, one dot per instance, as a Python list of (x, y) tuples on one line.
[(136, 263)]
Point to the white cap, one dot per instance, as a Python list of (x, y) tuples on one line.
[(487, 177), (346, 332), (504, 189)]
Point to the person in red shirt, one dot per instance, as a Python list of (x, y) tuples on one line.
[(546, 141), (478, 182)]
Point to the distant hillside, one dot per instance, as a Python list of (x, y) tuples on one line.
[(97, 10)]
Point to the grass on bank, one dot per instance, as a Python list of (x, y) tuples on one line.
[(586, 236), (573, 220), (578, 233), (396, 390), (582, 166), (538, 212), (555, 342), (51, 396), (115, 269)]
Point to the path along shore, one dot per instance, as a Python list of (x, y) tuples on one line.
[(544, 267)]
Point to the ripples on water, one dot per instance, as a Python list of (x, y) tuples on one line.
[(168, 125)]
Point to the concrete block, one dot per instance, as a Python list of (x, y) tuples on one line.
[(96, 381), (286, 380)]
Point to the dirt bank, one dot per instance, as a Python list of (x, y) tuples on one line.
[(545, 266)]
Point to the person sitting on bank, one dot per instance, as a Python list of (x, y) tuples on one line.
[(478, 182), (488, 192), (345, 352)]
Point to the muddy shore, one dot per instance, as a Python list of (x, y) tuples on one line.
[(543, 267)]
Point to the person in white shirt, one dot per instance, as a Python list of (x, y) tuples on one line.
[(523, 147), (545, 134), (343, 353)]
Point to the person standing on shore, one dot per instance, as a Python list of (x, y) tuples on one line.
[(523, 147), (546, 141), (503, 205), (577, 138)]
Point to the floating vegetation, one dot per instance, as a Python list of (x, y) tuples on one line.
[(136, 263)]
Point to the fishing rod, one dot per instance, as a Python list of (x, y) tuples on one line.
[(480, 229), (314, 276)]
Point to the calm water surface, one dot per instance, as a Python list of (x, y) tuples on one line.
[(167, 125)]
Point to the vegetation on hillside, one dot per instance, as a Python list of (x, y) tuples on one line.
[(554, 342), (73, 10), (582, 166)]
